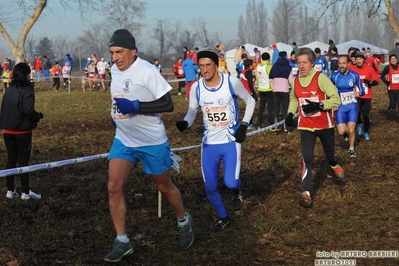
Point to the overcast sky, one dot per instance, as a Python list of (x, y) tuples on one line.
[(221, 16)]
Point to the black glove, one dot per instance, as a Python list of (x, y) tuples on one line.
[(241, 133), (289, 120), (366, 81), (182, 125), (311, 107), (41, 115)]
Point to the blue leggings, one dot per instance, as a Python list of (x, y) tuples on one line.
[(211, 156)]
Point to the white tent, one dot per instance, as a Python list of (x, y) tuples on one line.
[(343, 47), (313, 45), (231, 53)]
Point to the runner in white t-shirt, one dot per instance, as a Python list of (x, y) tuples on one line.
[(139, 94)]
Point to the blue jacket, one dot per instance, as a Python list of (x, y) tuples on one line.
[(70, 60), (275, 56), (190, 69)]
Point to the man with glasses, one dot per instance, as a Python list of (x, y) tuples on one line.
[(216, 94)]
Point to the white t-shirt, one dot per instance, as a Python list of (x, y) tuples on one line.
[(141, 81), (102, 67), (219, 108)]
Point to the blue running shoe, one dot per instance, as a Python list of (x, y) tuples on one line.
[(360, 129), (366, 136)]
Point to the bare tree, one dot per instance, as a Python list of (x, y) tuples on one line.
[(125, 14), (254, 27), (162, 34), (202, 32), (130, 13), (61, 46), (187, 38), (283, 15), (30, 47), (368, 7)]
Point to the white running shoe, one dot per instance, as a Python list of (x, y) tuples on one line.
[(31, 195), (12, 194)]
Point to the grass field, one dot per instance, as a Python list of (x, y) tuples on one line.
[(71, 224)]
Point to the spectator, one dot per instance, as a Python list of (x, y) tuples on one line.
[(177, 69), (158, 66), (395, 50), (69, 59), (6, 79), (18, 118), (190, 71), (265, 89), (223, 68), (46, 68), (275, 54), (37, 66), (281, 76)]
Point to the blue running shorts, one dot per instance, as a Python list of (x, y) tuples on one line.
[(156, 159), (346, 113)]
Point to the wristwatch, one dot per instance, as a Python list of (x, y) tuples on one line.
[(244, 123), (321, 106)]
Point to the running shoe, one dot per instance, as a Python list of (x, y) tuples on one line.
[(360, 129), (186, 235), (237, 200), (119, 250), (304, 199), (221, 224), (352, 153), (346, 137), (366, 136), (31, 195), (12, 194), (251, 127), (339, 172)]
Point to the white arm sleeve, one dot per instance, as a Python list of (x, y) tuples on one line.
[(243, 94), (192, 105)]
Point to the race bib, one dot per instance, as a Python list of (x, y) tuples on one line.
[(217, 116), (318, 67), (302, 101), (366, 88), (395, 78), (347, 97), (222, 69), (295, 71), (115, 113), (181, 71)]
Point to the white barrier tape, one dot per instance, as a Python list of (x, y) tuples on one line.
[(176, 158), (32, 168)]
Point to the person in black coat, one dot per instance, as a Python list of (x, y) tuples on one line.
[(18, 118)]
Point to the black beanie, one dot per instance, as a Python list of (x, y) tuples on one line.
[(123, 38), (208, 54)]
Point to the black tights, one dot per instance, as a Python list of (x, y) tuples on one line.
[(18, 150), (308, 141)]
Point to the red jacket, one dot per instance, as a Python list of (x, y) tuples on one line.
[(37, 64), (177, 69), (366, 72)]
